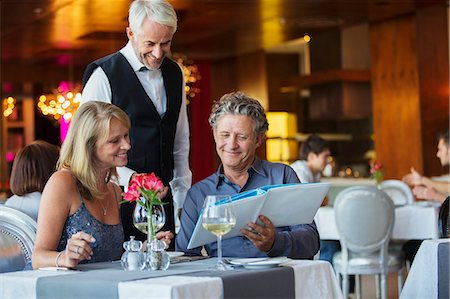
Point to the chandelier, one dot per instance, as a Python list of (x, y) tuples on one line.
[(191, 75), (62, 103), (8, 106)]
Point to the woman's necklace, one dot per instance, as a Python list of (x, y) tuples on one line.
[(101, 202), (103, 208)]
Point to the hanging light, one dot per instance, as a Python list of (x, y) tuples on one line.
[(8, 106), (62, 103), (191, 75)]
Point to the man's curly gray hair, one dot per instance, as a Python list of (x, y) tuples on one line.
[(238, 103)]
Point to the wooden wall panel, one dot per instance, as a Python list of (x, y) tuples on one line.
[(433, 62), (395, 95)]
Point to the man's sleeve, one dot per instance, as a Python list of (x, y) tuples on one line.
[(189, 218), (297, 241), (97, 88), (182, 176)]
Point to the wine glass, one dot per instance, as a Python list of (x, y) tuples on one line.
[(218, 218), (140, 218)]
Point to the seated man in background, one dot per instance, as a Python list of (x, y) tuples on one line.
[(313, 154), (424, 187), (239, 125), (427, 189)]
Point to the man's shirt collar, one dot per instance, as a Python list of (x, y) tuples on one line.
[(256, 167)]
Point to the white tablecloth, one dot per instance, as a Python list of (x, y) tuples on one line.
[(313, 279), (411, 222), (172, 287), (422, 280)]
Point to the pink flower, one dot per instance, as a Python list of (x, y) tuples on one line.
[(132, 194), (152, 182), (377, 171), (143, 189), (144, 185)]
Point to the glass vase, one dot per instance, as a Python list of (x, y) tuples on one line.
[(142, 222), (156, 258)]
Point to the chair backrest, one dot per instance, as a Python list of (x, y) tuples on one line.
[(444, 219), (399, 192), (364, 219), (17, 237)]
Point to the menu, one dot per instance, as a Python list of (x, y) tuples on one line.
[(284, 205)]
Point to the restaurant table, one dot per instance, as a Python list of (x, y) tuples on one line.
[(338, 184), (293, 279), (429, 273), (412, 222)]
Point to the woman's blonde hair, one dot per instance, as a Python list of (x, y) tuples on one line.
[(90, 124)]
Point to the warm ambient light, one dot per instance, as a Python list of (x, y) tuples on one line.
[(307, 38), (191, 75), (281, 145), (62, 103), (8, 106)]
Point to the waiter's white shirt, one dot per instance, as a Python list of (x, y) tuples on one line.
[(97, 88)]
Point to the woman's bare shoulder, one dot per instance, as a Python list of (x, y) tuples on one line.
[(61, 180)]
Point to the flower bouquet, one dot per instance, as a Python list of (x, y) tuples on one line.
[(377, 172), (144, 190)]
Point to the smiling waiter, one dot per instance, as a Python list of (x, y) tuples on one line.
[(149, 87)]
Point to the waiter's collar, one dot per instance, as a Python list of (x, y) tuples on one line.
[(132, 59)]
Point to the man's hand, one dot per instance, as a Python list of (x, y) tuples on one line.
[(428, 193), (163, 192), (263, 235), (413, 179), (165, 236)]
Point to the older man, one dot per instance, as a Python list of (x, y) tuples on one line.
[(239, 125), (149, 86)]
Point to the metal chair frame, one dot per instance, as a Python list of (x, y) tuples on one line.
[(365, 219), (19, 227)]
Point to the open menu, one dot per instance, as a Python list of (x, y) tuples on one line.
[(284, 205)]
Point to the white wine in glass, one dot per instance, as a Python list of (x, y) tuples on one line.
[(140, 218), (218, 218)]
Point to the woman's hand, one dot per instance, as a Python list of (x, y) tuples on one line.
[(78, 249)]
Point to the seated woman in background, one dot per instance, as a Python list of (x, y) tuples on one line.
[(32, 167), (79, 219)]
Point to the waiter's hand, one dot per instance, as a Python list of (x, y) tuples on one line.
[(163, 192), (262, 235)]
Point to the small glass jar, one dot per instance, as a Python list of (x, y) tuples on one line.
[(133, 259), (157, 257)]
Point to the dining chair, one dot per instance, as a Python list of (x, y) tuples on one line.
[(444, 219), (364, 219), (399, 192), (17, 237)]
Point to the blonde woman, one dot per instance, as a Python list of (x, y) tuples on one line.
[(79, 217)]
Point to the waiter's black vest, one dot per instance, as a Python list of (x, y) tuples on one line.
[(152, 137)]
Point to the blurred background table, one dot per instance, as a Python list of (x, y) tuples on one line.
[(412, 222), (338, 184)]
